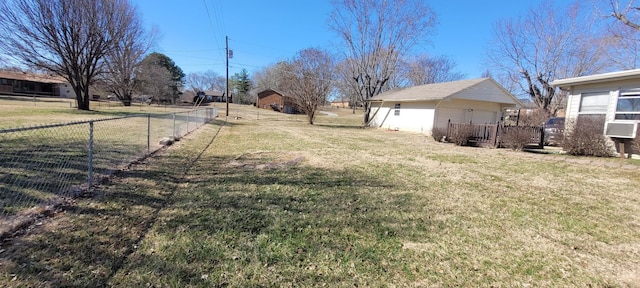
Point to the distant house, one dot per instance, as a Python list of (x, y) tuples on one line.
[(614, 97), (217, 96), (277, 101), (31, 84), (425, 107), (340, 104)]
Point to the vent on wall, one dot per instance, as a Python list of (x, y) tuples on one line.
[(621, 129)]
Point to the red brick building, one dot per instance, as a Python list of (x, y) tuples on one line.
[(277, 101)]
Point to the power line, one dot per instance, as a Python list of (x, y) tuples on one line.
[(213, 30), (219, 16), (191, 51)]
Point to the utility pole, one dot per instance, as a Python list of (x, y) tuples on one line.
[(227, 94)]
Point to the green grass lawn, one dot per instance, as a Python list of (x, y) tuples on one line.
[(277, 202)]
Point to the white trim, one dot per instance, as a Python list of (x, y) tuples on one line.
[(594, 93), (598, 78)]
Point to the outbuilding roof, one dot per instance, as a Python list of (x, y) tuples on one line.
[(267, 92), (440, 91), (597, 78), (213, 93), (26, 76)]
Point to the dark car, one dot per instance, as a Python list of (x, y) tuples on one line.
[(554, 131)]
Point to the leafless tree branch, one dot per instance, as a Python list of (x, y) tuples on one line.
[(70, 38), (377, 34)]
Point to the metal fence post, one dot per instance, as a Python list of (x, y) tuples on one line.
[(174, 126), (148, 133), (90, 160)]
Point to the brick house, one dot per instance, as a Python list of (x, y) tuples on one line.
[(277, 101)]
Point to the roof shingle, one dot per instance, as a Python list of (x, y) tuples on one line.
[(427, 92)]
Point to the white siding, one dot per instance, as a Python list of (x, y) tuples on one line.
[(414, 116), (459, 111), (482, 117), (485, 91), (446, 114), (379, 114), (421, 116), (613, 88), (66, 91), (573, 106)]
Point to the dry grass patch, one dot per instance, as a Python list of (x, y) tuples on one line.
[(24, 111), (363, 208), (265, 160)]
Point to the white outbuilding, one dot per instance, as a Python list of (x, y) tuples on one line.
[(425, 107)]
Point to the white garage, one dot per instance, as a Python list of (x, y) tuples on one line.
[(421, 108)]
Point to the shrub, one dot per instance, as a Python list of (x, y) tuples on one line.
[(516, 138), (586, 138), (461, 134), (439, 134)]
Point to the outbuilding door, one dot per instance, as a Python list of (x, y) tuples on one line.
[(482, 117), (456, 115)]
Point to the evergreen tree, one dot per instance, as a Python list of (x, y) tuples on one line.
[(241, 86)]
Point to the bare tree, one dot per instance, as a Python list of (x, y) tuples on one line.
[(312, 72), (377, 34), (347, 88), (425, 69), (627, 13), (155, 80), (197, 81), (548, 43), (273, 76), (623, 34), (209, 80), (124, 58), (624, 46), (69, 38), (216, 81)]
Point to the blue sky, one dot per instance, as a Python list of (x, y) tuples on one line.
[(192, 32)]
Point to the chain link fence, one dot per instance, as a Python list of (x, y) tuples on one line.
[(41, 165)]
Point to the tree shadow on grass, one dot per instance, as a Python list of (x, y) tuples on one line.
[(305, 211), (91, 238), (340, 126)]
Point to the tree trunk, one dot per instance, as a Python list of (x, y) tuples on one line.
[(367, 109), (310, 116), (85, 99), (82, 98)]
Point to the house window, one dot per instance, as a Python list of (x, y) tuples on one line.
[(628, 107), (396, 112), (594, 103)]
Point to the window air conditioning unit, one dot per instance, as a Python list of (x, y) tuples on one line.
[(621, 129)]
